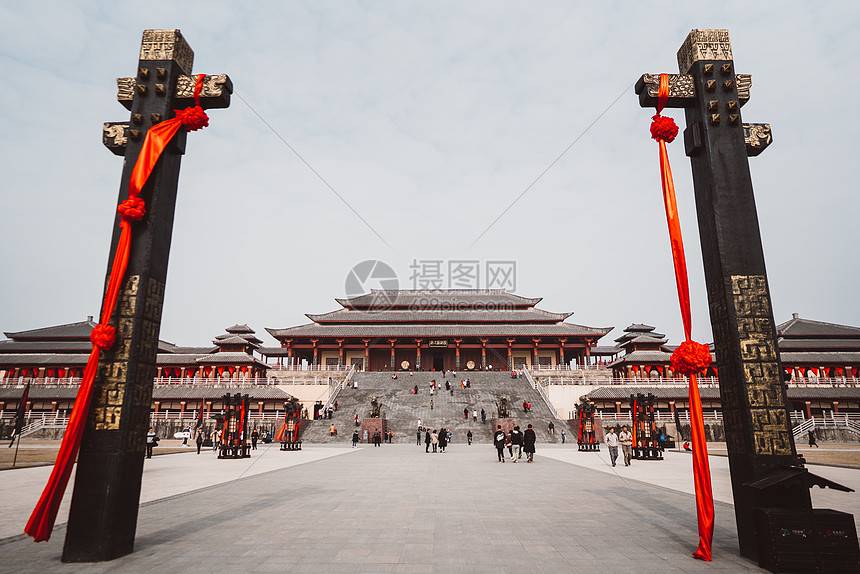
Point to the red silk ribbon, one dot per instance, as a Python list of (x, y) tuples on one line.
[(41, 522), (662, 131)]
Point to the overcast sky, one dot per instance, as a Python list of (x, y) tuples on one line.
[(429, 119)]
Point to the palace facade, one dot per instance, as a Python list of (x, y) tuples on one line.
[(434, 330)]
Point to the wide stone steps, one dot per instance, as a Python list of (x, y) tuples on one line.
[(402, 409)]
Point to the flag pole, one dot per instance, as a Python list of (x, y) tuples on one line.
[(17, 444)]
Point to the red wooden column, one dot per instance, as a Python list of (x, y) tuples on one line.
[(418, 354), (316, 352), (510, 354), (392, 341), (561, 357), (340, 352), (808, 410), (535, 359), (366, 354), (484, 354), (457, 355), (289, 346)]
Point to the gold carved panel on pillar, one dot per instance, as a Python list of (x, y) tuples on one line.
[(765, 396), (167, 45), (704, 45)]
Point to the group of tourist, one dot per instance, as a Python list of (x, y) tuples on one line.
[(437, 440), (517, 442), (625, 439)]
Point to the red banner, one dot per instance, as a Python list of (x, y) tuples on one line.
[(664, 130)]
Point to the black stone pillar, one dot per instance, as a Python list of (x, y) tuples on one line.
[(103, 515)]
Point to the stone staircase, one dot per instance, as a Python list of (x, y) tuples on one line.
[(402, 409)]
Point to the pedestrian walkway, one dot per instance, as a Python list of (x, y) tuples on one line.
[(397, 509)]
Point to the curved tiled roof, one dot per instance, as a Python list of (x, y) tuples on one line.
[(53, 347), (43, 360), (840, 359), (797, 327), (622, 392), (160, 392), (845, 344), (419, 330), (80, 331), (438, 298), (439, 315)]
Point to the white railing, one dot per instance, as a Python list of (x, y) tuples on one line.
[(703, 382), (683, 416), (823, 381), (215, 382), (190, 417), (541, 392), (574, 367), (803, 428), (308, 367), (336, 388), (49, 381)]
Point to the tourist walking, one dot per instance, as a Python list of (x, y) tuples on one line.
[(499, 439), (812, 441), (443, 439), (255, 436), (625, 437), (331, 431), (199, 440), (469, 437), (529, 440), (377, 438), (516, 444), (151, 441), (612, 443), (562, 436), (434, 439), (431, 404), (427, 440), (465, 413), (475, 415), (551, 428), (418, 437), (354, 438), (355, 419), (483, 417)]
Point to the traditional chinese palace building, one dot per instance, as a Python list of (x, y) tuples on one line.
[(432, 330), (427, 330)]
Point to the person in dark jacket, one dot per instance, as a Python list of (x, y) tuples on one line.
[(529, 439), (443, 439), (516, 444), (499, 439), (427, 440), (199, 440)]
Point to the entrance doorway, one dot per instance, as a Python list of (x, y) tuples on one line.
[(438, 361)]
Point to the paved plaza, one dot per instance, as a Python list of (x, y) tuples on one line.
[(397, 509)]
